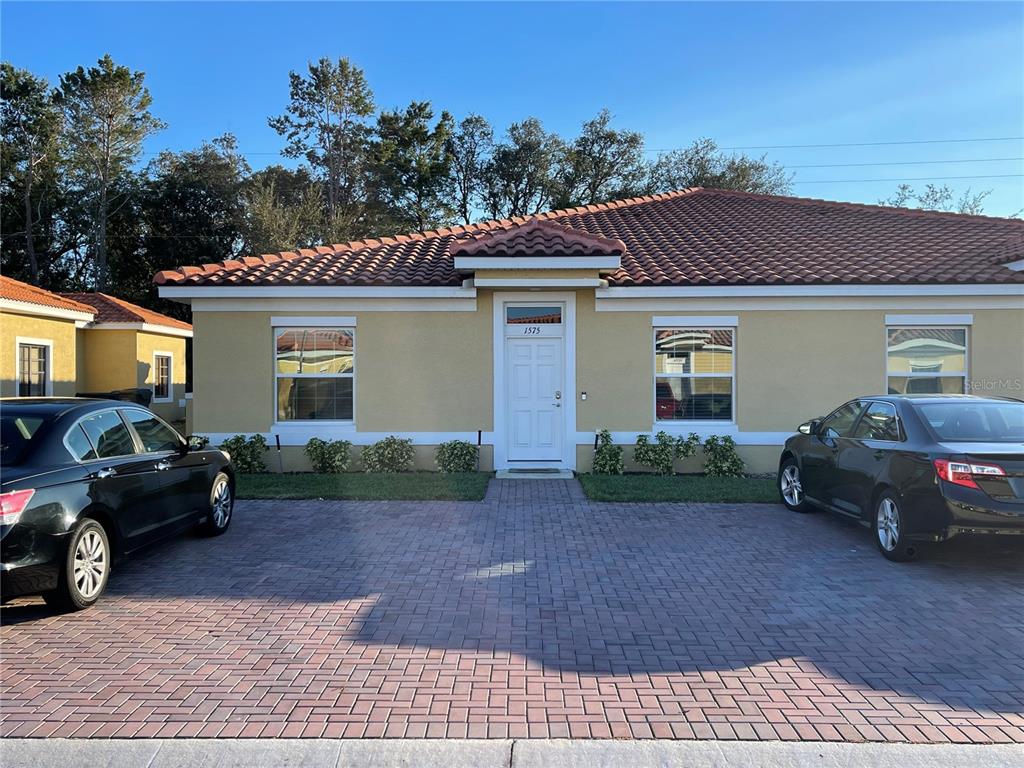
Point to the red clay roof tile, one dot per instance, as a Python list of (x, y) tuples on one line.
[(15, 290), (689, 237), (110, 309)]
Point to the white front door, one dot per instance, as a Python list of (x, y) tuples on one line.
[(533, 370)]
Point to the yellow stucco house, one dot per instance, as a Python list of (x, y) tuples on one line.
[(61, 345), (701, 310)]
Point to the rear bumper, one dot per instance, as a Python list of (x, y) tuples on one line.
[(967, 510), (30, 561)]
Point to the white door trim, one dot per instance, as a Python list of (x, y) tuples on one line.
[(568, 299)]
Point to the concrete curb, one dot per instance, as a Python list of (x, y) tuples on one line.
[(472, 753)]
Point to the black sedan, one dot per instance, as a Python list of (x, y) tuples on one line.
[(87, 481), (914, 468)]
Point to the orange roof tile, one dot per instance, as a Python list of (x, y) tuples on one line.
[(689, 237), (110, 309), (15, 290)]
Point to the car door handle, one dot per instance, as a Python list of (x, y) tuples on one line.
[(160, 466), (104, 473)]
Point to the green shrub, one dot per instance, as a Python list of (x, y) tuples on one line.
[(392, 454), (328, 456), (720, 457), (662, 454), (607, 457), (246, 454), (456, 456)]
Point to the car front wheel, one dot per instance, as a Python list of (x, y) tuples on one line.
[(222, 503), (86, 568), (889, 530), (791, 487)]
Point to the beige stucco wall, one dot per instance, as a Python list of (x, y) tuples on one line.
[(146, 344), (61, 333), (109, 360), (431, 371)]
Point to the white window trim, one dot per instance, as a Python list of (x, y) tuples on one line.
[(48, 343), (925, 375), (935, 321), (170, 377), (668, 424), (343, 425), (500, 434)]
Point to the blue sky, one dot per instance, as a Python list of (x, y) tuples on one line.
[(742, 74)]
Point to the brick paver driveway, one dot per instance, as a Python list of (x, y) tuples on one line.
[(533, 613)]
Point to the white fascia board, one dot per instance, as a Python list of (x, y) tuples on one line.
[(701, 321), (1016, 266), (28, 308), (731, 291), (929, 319), (325, 306), (309, 321), (315, 291), (471, 263), (539, 282), (165, 330)]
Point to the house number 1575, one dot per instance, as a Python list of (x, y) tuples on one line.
[(531, 330)]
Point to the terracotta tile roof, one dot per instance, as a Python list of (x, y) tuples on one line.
[(536, 238), (690, 237), (15, 290), (110, 309)]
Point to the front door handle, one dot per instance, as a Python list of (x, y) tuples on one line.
[(162, 465), (104, 473)]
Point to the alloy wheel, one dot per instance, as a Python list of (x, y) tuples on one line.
[(792, 490), (91, 563), (221, 503), (888, 525)]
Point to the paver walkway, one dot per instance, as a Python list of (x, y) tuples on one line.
[(531, 614)]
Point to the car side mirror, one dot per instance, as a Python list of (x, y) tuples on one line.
[(810, 427), (197, 442)]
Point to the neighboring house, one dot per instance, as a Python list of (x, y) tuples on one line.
[(695, 311), (65, 344)]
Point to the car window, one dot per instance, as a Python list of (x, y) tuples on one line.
[(879, 422), (840, 422), (78, 443), (108, 434), (16, 435), (976, 420), (154, 434)]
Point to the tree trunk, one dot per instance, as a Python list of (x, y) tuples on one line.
[(101, 242), (30, 248)]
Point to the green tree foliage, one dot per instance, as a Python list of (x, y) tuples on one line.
[(938, 198), (106, 119), (703, 164), (601, 164), (411, 166), (469, 151), (327, 124), (519, 177), (28, 156)]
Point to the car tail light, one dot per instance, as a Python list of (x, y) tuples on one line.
[(962, 472), (13, 504)]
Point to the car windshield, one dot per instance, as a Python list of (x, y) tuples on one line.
[(16, 435), (976, 421)]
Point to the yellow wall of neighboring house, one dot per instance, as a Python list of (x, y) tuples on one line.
[(109, 360), (427, 371), (146, 345), (64, 363)]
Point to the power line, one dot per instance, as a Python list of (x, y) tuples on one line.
[(920, 178), (876, 143), (913, 162)]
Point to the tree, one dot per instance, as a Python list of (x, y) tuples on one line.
[(469, 150), (601, 164), (326, 124), (519, 178), (30, 128), (412, 166), (935, 198), (106, 119), (703, 164), (280, 214)]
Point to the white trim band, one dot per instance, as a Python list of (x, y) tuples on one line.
[(539, 282), (695, 321), (165, 330), (28, 308), (846, 289), (470, 263), (316, 291), (929, 319)]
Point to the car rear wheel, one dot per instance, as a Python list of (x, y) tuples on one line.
[(791, 488), (222, 503), (86, 568), (889, 530)]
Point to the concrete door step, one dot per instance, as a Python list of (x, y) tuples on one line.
[(534, 474)]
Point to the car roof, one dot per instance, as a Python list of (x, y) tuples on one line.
[(54, 406), (939, 398)]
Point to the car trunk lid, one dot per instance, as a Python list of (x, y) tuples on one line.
[(1007, 456)]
